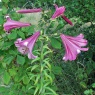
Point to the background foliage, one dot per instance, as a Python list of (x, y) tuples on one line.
[(48, 74)]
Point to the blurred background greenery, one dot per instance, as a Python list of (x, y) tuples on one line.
[(71, 78)]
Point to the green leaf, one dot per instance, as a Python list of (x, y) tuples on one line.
[(36, 59), (20, 60), (37, 79), (4, 9), (13, 35), (26, 79), (8, 59), (36, 90), (54, 93), (34, 67), (13, 52), (48, 76), (6, 1), (93, 85), (88, 92), (30, 30), (16, 78), (55, 43), (57, 70), (12, 72), (21, 34), (7, 45), (1, 20), (83, 84), (2, 89), (6, 78)]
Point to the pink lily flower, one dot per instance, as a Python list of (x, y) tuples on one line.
[(29, 10), (60, 12), (11, 24), (26, 46), (73, 46)]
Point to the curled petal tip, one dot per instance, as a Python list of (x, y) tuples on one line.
[(55, 5)]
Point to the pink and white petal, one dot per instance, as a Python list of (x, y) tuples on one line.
[(84, 49), (23, 50), (20, 50), (34, 37), (71, 51), (31, 56), (80, 36), (81, 42), (17, 42)]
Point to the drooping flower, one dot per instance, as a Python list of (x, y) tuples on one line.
[(26, 46), (29, 10), (73, 46), (60, 12), (11, 24)]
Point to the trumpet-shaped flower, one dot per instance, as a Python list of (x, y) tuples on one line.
[(26, 46), (60, 12), (73, 46), (29, 10), (11, 24)]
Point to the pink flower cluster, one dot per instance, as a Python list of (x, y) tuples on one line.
[(73, 45)]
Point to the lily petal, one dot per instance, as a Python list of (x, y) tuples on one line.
[(29, 10)]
